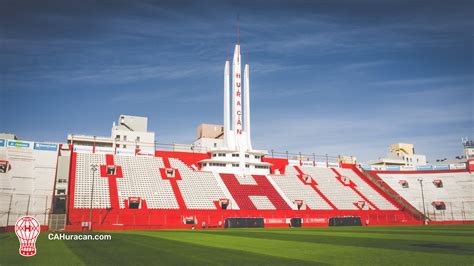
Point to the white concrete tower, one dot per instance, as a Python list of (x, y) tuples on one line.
[(228, 140), (237, 118), (247, 107), (236, 155)]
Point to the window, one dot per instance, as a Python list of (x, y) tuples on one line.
[(4, 166), (439, 205), (307, 178), (111, 169), (403, 183), (117, 137), (247, 156), (261, 167), (346, 180), (235, 155), (214, 154), (138, 138), (235, 165), (221, 155), (124, 146), (170, 172), (61, 191), (62, 181), (247, 165), (134, 202), (217, 164), (257, 157), (438, 183), (124, 138)]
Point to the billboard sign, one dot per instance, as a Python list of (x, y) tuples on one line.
[(457, 166), (46, 146), (315, 220), (2, 143), (392, 168), (441, 167), (424, 167), (146, 152), (19, 144), (123, 151), (275, 220), (104, 150), (83, 149)]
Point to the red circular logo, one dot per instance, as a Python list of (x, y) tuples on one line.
[(27, 229)]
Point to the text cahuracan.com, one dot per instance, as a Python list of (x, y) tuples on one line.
[(78, 237)]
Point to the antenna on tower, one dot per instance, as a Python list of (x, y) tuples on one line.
[(238, 30), (246, 55)]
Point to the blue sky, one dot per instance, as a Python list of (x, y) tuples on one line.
[(336, 77)]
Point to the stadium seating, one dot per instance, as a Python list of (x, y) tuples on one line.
[(343, 197), (242, 188), (173, 190), (375, 197), (142, 178), (246, 180), (295, 189), (262, 203), (199, 189), (83, 184), (456, 193)]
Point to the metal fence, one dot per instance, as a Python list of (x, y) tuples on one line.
[(271, 153), (180, 147), (303, 156), (14, 206), (455, 211)]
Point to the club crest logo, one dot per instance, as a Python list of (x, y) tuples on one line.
[(27, 229)]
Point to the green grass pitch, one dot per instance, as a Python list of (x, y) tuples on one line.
[(408, 245)]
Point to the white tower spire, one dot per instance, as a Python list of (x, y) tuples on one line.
[(247, 106), (236, 152), (237, 118), (226, 105)]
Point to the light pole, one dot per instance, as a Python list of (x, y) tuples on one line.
[(423, 199), (94, 168)]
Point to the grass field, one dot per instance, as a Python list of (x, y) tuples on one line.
[(430, 245)]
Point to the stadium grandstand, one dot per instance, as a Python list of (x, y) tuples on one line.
[(129, 181)]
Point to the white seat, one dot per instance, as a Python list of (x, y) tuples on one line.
[(199, 189), (142, 178), (341, 196), (456, 193), (378, 200), (295, 189)]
